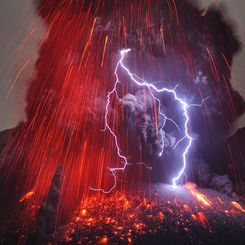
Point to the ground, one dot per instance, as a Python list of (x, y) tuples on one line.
[(167, 215)]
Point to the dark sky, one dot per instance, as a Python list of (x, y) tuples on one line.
[(18, 52)]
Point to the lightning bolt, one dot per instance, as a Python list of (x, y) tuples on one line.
[(153, 89)]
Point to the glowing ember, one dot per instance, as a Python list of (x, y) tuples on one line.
[(202, 219), (26, 196), (128, 217)]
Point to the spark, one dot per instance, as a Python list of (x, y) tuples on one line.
[(26, 196), (152, 89)]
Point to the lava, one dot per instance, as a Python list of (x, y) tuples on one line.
[(238, 206), (200, 197), (133, 217)]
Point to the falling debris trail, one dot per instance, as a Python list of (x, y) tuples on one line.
[(182, 215)]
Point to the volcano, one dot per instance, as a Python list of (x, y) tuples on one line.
[(93, 161)]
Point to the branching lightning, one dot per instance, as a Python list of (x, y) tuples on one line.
[(153, 89)]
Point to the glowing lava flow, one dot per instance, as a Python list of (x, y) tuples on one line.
[(140, 82), (199, 196)]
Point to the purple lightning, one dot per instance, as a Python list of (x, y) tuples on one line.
[(140, 82)]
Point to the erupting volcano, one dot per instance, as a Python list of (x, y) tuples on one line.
[(130, 103)]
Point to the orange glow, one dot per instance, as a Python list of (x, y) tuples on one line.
[(104, 240), (199, 197), (26, 196), (103, 55), (202, 198), (194, 217), (238, 206), (186, 208), (202, 219), (161, 216)]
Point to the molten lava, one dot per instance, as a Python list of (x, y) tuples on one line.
[(200, 197)]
